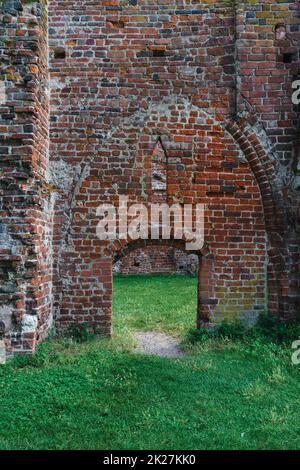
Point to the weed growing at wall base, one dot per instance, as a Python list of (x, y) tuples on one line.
[(268, 329)]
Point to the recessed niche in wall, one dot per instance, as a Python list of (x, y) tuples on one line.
[(59, 53), (287, 58), (159, 168)]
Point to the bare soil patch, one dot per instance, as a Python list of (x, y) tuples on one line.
[(158, 344)]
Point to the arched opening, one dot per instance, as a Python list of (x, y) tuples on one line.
[(155, 288)]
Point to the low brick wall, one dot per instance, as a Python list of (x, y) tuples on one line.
[(156, 259), (162, 102)]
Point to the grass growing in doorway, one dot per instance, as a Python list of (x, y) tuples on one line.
[(166, 303)]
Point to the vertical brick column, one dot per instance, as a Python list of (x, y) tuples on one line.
[(25, 196), (268, 42)]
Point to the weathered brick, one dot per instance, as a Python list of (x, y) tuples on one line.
[(129, 82)]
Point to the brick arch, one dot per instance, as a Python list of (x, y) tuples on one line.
[(87, 263), (264, 170), (152, 136), (87, 172), (151, 128), (261, 166)]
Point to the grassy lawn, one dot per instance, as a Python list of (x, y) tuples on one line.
[(99, 395)]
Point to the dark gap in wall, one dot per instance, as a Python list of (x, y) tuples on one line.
[(288, 58), (59, 53), (158, 53)]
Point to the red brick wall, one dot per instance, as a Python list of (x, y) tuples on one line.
[(155, 259), (267, 65), (147, 260), (133, 74), (25, 200), (204, 86)]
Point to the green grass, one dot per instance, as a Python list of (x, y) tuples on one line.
[(225, 394), (168, 302)]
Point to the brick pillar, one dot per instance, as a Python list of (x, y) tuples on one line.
[(268, 42), (25, 196)]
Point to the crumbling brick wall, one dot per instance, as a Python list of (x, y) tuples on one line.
[(207, 87)]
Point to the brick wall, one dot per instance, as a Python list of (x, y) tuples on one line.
[(268, 40), (155, 259), (25, 200), (165, 101), (128, 77)]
